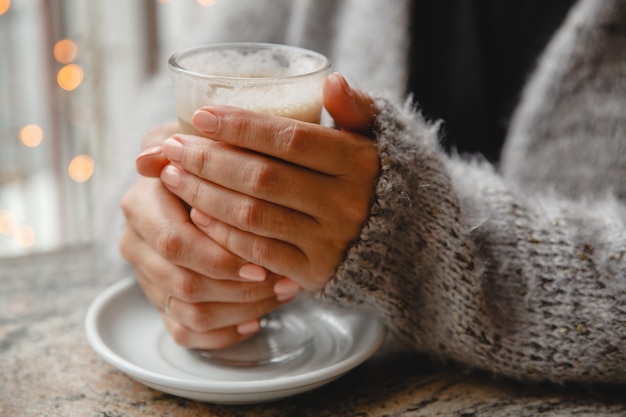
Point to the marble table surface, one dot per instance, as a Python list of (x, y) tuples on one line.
[(47, 367)]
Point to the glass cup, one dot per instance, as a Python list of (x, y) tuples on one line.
[(273, 79)]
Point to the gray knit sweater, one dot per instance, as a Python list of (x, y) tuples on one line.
[(520, 271), (523, 272)]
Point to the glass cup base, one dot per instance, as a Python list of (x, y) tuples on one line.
[(284, 335)]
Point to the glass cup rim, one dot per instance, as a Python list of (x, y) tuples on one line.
[(176, 67)]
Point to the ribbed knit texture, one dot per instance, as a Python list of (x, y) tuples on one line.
[(523, 275)]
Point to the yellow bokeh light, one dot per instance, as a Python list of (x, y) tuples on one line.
[(5, 5), (81, 168), (8, 223), (69, 77), (65, 51), (24, 236), (206, 3), (31, 135)]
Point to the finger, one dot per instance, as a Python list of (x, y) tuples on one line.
[(246, 172), (277, 256), (159, 277), (309, 145), (215, 339), (151, 161), (298, 219), (164, 223), (204, 317), (351, 109)]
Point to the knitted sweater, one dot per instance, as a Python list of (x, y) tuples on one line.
[(520, 271)]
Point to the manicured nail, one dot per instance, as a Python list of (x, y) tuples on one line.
[(172, 176), (205, 121), (248, 327), (252, 272), (285, 287), (173, 149), (200, 218), (344, 84), (153, 150)]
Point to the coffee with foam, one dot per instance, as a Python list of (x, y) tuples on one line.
[(272, 79)]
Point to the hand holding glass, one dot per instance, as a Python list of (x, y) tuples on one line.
[(273, 79)]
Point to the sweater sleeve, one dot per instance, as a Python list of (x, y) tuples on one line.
[(521, 273), (466, 267)]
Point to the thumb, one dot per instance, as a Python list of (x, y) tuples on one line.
[(151, 161), (352, 109)]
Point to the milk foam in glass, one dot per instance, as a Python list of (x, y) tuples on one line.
[(273, 79)]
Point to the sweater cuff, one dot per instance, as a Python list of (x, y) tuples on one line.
[(412, 214)]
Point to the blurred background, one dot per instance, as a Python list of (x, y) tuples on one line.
[(68, 72)]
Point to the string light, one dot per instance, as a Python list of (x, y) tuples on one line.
[(8, 223), (69, 77), (65, 51), (24, 236), (31, 135), (81, 168), (5, 5)]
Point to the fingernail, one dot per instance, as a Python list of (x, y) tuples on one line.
[(248, 327), (286, 286), (344, 84), (252, 272), (200, 218), (205, 121), (153, 150), (171, 176), (173, 149)]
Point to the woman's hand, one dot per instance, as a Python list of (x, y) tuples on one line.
[(208, 297), (286, 195)]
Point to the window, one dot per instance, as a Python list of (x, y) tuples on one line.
[(68, 75)]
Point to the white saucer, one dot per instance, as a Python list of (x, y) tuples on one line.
[(127, 332)]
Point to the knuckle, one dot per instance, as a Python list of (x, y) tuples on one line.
[(199, 318), (292, 138), (249, 214), (260, 251), (201, 160), (186, 287), (193, 192), (170, 245), (217, 264), (249, 294), (261, 178)]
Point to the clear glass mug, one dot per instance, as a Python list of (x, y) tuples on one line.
[(274, 79)]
